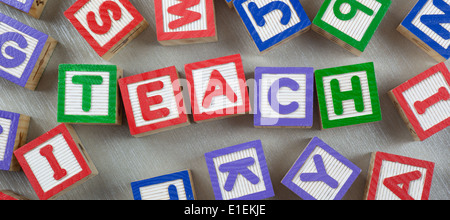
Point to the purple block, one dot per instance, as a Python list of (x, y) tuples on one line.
[(240, 172), (284, 97), (21, 5), (321, 173), (23, 48), (9, 123)]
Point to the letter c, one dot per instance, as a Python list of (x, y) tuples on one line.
[(272, 95)]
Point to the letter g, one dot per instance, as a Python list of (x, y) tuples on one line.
[(18, 57)]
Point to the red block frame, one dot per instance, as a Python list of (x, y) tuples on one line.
[(398, 93), (169, 71), (377, 162), (61, 129), (164, 36), (70, 14), (245, 108)]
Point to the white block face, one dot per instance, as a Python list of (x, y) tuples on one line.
[(161, 191), (334, 168), (430, 9), (349, 105), (285, 95), (41, 167), (168, 96), (99, 97), (242, 186), (272, 26), (116, 25), (391, 169), (198, 25), (17, 71), (358, 25), (436, 113), (201, 79), (5, 128)]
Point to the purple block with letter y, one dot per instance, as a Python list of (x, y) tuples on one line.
[(240, 172)]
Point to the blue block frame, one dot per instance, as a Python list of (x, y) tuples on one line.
[(184, 175), (407, 23), (262, 46)]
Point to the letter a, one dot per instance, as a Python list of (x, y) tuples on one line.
[(392, 183), (216, 81)]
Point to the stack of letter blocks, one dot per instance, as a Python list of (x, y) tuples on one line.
[(284, 97)]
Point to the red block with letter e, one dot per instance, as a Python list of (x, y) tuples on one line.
[(107, 25), (394, 177), (55, 162), (153, 102), (185, 21), (424, 102), (217, 88)]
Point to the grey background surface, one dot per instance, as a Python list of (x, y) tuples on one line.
[(122, 159)]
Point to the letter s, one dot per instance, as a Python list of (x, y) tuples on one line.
[(18, 57), (104, 15)]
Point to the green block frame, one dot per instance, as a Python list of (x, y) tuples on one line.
[(114, 113), (359, 45), (375, 100)]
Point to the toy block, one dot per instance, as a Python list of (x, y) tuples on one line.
[(174, 186), (108, 26), (55, 162), (424, 102), (240, 172), (153, 102), (350, 23), (271, 23), (348, 95), (284, 97), (217, 88), (89, 94), (26, 52), (321, 173), (31, 7), (229, 3), (10, 195), (185, 22), (13, 134), (394, 177), (427, 27)]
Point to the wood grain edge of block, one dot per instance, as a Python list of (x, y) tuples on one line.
[(188, 41), (191, 179), (336, 40), (37, 8), (41, 63), (369, 174), (21, 139), (83, 151), (126, 40), (422, 45), (14, 195), (403, 115), (119, 102)]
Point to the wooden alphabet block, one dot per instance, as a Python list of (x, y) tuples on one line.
[(13, 134), (153, 102), (240, 172), (185, 21), (427, 27), (217, 88), (350, 23), (394, 177), (267, 26), (25, 54), (10, 195), (348, 95), (89, 94), (424, 102), (107, 25), (33, 8), (284, 97), (321, 173), (55, 162), (229, 3), (174, 186)]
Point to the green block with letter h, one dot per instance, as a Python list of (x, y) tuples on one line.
[(89, 94), (348, 95)]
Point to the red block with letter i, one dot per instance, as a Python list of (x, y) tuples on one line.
[(153, 102), (217, 88)]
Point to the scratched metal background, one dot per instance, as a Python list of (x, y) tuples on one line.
[(122, 159)]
